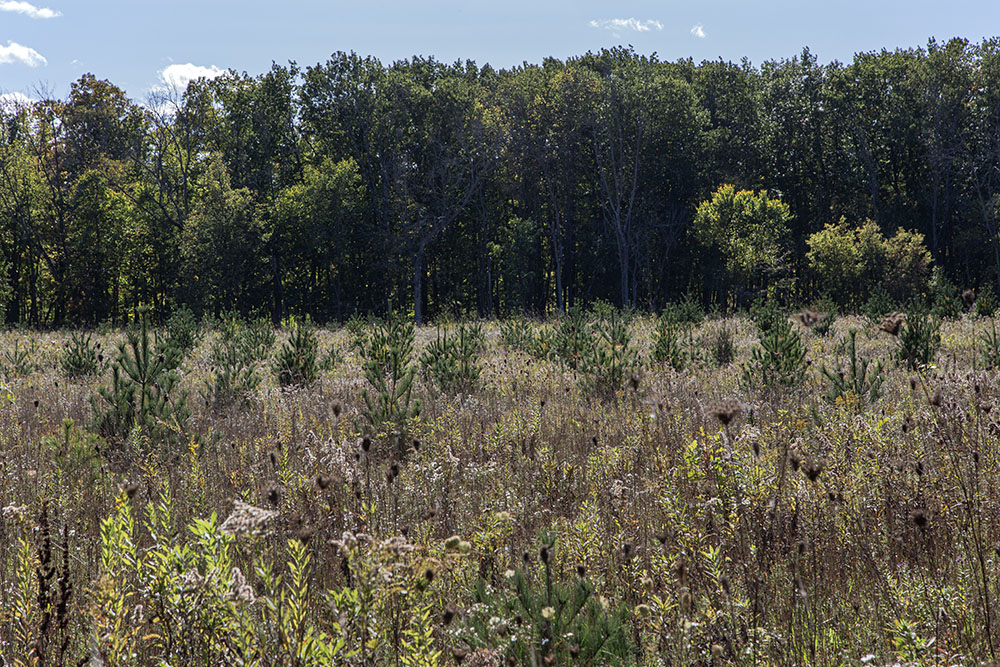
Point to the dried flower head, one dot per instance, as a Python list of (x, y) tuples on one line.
[(809, 317), (812, 469), (892, 322), (247, 519)]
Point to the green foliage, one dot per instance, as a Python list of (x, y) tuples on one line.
[(389, 370), (946, 299), (452, 363), (779, 360), (611, 359), (986, 301), (19, 360), (919, 340), (859, 381), (722, 348), (529, 614), (748, 228), (183, 329), (516, 334), (142, 390), (666, 345), (879, 304), (81, 357), (686, 312), (235, 375), (989, 347), (849, 263), (767, 314), (297, 362), (573, 338)]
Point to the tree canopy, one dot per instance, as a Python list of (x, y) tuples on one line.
[(352, 186)]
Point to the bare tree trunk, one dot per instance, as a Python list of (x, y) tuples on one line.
[(418, 285)]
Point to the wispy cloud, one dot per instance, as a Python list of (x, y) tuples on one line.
[(698, 30), (18, 53), (627, 24), (177, 77), (28, 9)]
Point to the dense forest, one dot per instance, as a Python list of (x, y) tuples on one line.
[(352, 186)]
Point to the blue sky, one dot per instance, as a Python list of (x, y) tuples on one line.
[(45, 45)]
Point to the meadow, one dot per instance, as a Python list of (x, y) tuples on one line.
[(774, 489)]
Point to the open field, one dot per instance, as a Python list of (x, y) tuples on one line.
[(536, 514)]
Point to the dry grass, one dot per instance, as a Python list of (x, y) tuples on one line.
[(793, 531)]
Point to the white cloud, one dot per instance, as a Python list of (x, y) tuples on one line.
[(28, 9), (18, 53), (627, 24), (698, 30), (14, 100), (177, 77)]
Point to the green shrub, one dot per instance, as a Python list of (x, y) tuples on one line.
[(879, 304), (779, 360), (610, 359), (142, 387), (766, 313), (947, 300), (183, 329), (666, 345), (297, 361), (986, 301), (849, 263), (19, 360), (989, 347), (530, 613), (721, 346), (686, 312), (516, 334), (81, 357), (573, 338), (857, 378), (234, 370), (388, 368), (452, 363), (919, 340)]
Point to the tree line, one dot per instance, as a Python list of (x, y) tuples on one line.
[(355, 187)]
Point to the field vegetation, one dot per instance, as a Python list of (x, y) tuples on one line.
[(599, 488)]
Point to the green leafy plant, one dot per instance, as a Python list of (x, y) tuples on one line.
[(142, 390), (989, 347), (19, 360), (611, 359), (986, 301), (296, 363), (722, 348), (859, 378), (573, 338), (667, 347), (183, 329), (81, 357), (534, 618), (389, 370), (452, 363), (779, 360), (919, 340), (516, 334)]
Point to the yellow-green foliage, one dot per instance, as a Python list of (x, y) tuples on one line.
[(848, 263)]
